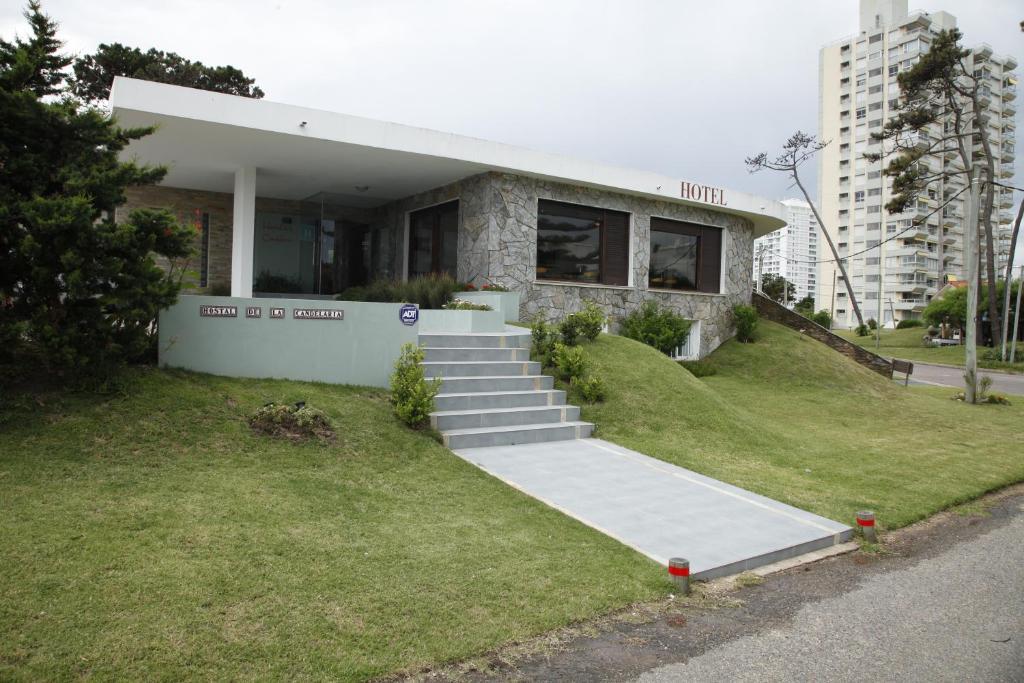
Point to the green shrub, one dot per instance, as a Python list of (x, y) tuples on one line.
[(908, 323), (823, 318), (745, 318), (543, 339), (699, 368), (872, 323), (590, 389), (412, 394), (862, 330), (571, 362), (457, 304), (297, 422), (428, 291), (590, 321), (661, 328)]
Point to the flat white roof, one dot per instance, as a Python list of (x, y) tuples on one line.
[(298, 152)]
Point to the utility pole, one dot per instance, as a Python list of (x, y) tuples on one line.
[(880, 318), (760, 266), (1016, 314), (971, 256)]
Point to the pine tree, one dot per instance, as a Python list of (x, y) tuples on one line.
[(79, 288)]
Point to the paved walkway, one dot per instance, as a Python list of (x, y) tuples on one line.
[(955, 617), (948, 376), (657, 508)]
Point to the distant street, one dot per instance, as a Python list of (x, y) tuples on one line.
[(1003, 383)]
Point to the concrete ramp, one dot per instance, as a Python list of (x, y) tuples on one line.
[(659, 509)]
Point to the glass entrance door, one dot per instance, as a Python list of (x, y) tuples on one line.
[(312, 251), (434, 240)]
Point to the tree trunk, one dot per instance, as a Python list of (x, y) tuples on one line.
[(1009, 279), (832, 246), (971, 319), (986, 209)]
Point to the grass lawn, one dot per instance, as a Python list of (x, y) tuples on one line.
[(791, 419), (906, 344), (153, 536)]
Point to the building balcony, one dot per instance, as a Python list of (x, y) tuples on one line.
[(1009, 93), (916, 304), (1009, 109)]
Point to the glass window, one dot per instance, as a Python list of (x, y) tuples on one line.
[(582, 244), (434, 239), (684, 256)]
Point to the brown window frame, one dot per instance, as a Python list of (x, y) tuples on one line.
[(434, 212), (606, 275), (700, 231)]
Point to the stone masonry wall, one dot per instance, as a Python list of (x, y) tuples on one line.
[(512, 256), (770, 309)]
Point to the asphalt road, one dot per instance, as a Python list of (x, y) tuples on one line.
[(1002, 383), (956, 616)]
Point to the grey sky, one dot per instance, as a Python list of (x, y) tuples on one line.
[(683, 88)]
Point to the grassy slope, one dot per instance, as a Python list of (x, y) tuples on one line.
[(907, 344), (153, 536), (791, 419)]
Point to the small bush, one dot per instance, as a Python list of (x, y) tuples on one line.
[(463, 305), (699, 368), (862, 330), (746, 322), (872, 324), (570, 362), (590, 321), (494, 287), (908, 323), (590, 389), (428, 291), (543, 339), (297, 422), (661, 328), (823, 318), (412, 394)]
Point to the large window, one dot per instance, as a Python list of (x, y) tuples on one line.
[(434, 239), (582, 244), (685, 256)]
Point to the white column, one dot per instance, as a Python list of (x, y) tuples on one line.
[(243, 230)]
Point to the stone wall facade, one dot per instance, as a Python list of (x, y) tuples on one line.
[(512, 256), (769, 309), (498, 244)]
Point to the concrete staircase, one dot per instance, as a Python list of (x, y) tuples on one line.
[(492, 394)]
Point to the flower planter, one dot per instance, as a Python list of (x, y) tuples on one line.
[(506, 302)]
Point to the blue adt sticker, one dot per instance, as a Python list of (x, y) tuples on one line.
[(408, 314)]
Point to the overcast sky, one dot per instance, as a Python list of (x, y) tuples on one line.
[(679, 87)]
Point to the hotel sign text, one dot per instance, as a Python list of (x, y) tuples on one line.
[(703, 193), (318, 314), (218, 311)]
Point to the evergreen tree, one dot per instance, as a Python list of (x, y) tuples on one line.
[(78, 287), (778, 288), (94, 74)]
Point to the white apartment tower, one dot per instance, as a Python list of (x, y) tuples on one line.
[(791, 251), (858, 92)]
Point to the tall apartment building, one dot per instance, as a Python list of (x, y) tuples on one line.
[(858, 92), (791, 251)]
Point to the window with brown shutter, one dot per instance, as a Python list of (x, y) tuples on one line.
[(582, 244), (685, 256)]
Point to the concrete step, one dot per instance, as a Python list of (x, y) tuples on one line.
[(438, 355), (506, 436), (495, 384), (498, 399), (448, 420), (492, 340), (480, 368)]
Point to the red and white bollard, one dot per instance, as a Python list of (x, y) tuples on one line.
[(679, 568), (866, 522)]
